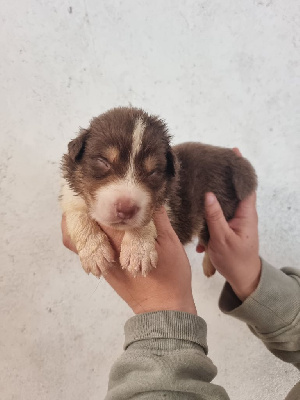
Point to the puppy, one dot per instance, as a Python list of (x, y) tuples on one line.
[(122, 168)]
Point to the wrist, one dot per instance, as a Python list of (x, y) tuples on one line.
[(187, 306), (245, 286)]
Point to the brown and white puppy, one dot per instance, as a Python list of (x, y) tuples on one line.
[(122, 168)]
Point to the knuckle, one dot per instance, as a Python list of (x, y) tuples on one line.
[(215, 216), (66, 242), (222, 241), (69, 244), (228, 239)]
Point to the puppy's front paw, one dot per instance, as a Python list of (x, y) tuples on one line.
[(137, 255), (97, 255)]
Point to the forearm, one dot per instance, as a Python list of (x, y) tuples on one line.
[(272, 312), (166, 354)]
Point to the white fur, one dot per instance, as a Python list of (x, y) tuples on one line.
[(103, 209), (69, 200), (138, 252), (137, 137), (94, 249)]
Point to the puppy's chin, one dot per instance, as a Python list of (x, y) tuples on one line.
[(123, 225)]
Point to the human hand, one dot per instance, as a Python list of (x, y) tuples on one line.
[(233, 246), (168, 287)]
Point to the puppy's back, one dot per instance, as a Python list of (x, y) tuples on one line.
[(206, 168), (214, 168)]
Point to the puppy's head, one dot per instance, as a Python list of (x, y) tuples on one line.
[(123, 166)]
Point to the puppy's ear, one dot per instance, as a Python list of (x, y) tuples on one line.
[(170, 169), (77, 145)]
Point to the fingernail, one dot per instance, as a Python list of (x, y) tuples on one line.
[(210, 199)]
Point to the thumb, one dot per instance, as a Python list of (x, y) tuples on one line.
[(162, 223), (247, 207), (216, 222)]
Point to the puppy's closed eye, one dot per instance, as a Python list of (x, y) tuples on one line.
[(101, 167), (155, 173), (155, 179), (103, 163), (122, 168)]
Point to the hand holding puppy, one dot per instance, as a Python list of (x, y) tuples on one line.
[(233, 250), (168, 287), (233, 245)]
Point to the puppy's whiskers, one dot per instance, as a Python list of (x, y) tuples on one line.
[(98, 283)]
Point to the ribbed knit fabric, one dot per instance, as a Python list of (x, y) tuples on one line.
[(165, 353), (164, 329), (294, 393), (272, 312), (164, 358), (272, 305)]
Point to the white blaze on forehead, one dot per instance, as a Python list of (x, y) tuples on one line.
[(128, 187), (137, 137)]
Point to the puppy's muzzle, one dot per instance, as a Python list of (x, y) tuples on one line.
[(126, 209)]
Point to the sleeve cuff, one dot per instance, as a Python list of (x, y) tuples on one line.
[(273, 305), (163, 329)]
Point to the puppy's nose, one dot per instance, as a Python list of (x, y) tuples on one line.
[(125, 209)]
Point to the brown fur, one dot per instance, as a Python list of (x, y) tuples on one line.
[(206, 168), (178, 177), (114, 129)]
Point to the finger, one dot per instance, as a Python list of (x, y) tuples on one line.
[(66, 238), (163, 224), (216, 222), (237, 152), (200, 248), (247, 207)]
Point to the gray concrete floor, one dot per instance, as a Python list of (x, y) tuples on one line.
[(224, 73)]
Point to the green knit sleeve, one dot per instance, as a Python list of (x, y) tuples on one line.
[(272, 312), (165, 357)]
